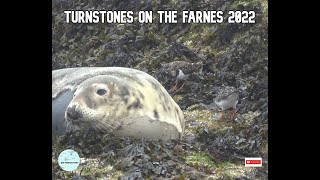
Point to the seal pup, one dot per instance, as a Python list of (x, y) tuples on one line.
[(122, 101)]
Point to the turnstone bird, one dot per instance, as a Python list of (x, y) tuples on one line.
[(181, 70), (227, 98)]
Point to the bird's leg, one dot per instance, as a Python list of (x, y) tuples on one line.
[(180, 87), (174, 87), (234, 113), (222, 115)]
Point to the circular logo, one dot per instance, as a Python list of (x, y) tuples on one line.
[(69, 160)]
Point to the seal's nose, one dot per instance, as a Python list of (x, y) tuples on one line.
[(72, 113)]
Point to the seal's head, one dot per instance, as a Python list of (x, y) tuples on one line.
[(120, 101), (95, 103)]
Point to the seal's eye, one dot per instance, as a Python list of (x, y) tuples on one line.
[(101, 92)]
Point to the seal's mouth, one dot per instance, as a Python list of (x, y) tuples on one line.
[(77, 122), (73, 114), (74, 119), (73, 125)]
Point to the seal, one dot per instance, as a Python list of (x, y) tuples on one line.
[(117, 100)]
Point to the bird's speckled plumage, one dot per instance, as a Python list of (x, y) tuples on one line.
[(172, 69), (227, 98), (181, 70)]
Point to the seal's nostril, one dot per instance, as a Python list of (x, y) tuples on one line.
[(72, 113)]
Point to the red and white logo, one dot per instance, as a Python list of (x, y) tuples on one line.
[(253, 162)]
